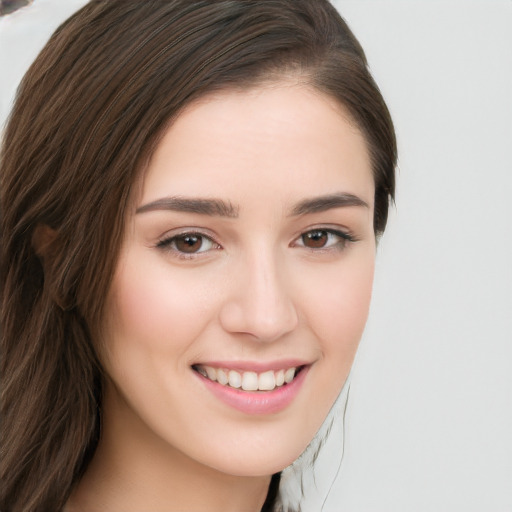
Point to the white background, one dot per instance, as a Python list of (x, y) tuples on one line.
[(429, 419)]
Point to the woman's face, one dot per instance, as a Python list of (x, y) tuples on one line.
[(244, 280)]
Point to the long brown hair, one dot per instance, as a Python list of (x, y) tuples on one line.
[(87, 116)]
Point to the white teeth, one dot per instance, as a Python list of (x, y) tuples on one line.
[(289, 374), (267, 381), (211, 372), (203, 372), (248, 381), (222, 377), (235, 379)]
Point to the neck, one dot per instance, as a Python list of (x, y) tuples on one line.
[(133, 469)]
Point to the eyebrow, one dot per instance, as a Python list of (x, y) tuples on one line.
[(218, 207), (201, 206), (328, 202)]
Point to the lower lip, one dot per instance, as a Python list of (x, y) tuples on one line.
[(257, 402)]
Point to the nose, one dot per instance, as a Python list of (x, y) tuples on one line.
[(260, 302)]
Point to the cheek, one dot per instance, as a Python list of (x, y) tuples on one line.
[(152, 309), (347, 303), (339, 310), (334, 305)]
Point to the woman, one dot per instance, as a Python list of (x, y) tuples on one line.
[(191, 193)]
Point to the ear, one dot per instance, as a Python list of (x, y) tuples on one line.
[(42, 241)]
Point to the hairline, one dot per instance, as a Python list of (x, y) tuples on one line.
[(287, 78)]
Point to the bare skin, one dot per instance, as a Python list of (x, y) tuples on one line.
[(251, 244)]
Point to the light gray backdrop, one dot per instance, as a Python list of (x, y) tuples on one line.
[(429, 420)]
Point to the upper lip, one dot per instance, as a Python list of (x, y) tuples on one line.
[(255, 366)]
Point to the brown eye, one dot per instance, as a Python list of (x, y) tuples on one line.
[(324, 239), (188, 243), (315, 239)]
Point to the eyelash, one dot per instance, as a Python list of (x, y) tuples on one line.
[(344, 239), (169, 244)]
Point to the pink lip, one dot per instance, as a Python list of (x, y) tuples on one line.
[(257, 402)]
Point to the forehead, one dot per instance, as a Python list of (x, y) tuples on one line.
[(276, 140)]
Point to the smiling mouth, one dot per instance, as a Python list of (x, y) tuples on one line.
[(248, 380)]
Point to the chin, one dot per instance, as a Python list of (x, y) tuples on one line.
[(258, 461)]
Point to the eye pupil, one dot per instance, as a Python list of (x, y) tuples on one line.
[(189, 243), (315, 239)]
